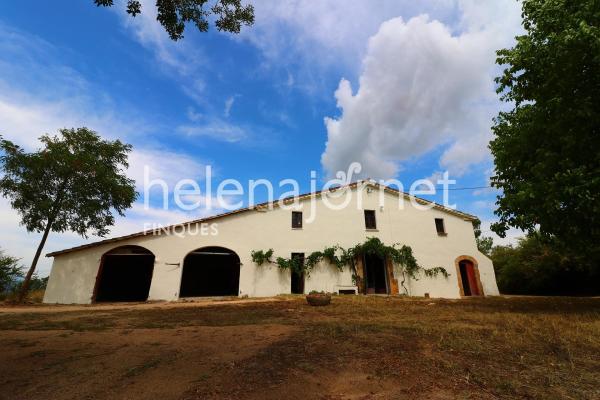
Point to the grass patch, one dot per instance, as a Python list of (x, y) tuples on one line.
[(480, 348)]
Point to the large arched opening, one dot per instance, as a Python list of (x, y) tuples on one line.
[(125, 274), (210, 271)]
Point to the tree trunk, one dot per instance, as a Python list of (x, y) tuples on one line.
[(27, 280)]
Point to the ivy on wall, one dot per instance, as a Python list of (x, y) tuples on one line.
[(402, 256), (260, 257)]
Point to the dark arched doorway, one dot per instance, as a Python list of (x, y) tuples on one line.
[(210, 271), (125, 274)]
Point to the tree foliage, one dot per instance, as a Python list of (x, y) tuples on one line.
[(10, 272), (73, 183), (38, 283), (12, 275), (484, 243), (538, 267), (174, 14), (546, 148)]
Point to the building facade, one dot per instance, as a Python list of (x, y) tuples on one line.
[(212, 256)]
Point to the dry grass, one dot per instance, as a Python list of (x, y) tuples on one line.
[(32, 297), (358, 347)]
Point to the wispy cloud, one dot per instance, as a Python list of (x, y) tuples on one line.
[(185, 62), (229, 104), (216, 129), (39, 94), (309, 39), (165, 165)]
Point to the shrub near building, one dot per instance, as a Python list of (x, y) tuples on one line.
[(540, 267)]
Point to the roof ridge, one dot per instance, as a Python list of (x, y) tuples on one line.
[(369, 181)]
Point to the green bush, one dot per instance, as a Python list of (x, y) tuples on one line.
[(11, 277), (11, 274), (536, 266)]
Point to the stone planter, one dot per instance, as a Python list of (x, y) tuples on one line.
[(318, 299)]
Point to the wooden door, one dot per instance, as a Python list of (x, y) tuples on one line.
[(472, 278)]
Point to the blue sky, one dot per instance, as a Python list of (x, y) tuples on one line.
[(403, 87)]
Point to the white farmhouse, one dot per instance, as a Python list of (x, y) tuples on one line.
[(212, 256)]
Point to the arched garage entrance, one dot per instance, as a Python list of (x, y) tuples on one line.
[(125, 274), (210, 271)]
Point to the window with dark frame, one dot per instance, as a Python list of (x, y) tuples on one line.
[(297, 219), (439, 226), (370, 222)]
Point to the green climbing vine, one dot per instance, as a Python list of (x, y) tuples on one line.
[(401, 256), (260, 257), (328, 254), (431, 272)]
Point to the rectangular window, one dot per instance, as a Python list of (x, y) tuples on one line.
[(297, 284), (370, 222), (297, 219), (439, 226)]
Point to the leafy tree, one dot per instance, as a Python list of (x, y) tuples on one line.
[(38, 283), (484, 243), (546, 148), (72, 184), (174, 14), (10, 272), (536, 266)]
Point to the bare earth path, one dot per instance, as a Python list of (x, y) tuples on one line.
[(357, 348), (195, 302)]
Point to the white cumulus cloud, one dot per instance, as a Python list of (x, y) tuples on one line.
[(422, 86)]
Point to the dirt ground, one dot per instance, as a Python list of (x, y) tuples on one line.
[(357, 348)]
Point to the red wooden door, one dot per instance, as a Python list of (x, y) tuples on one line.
[(472, 280)]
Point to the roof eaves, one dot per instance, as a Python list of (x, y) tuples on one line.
[(263, 206)]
